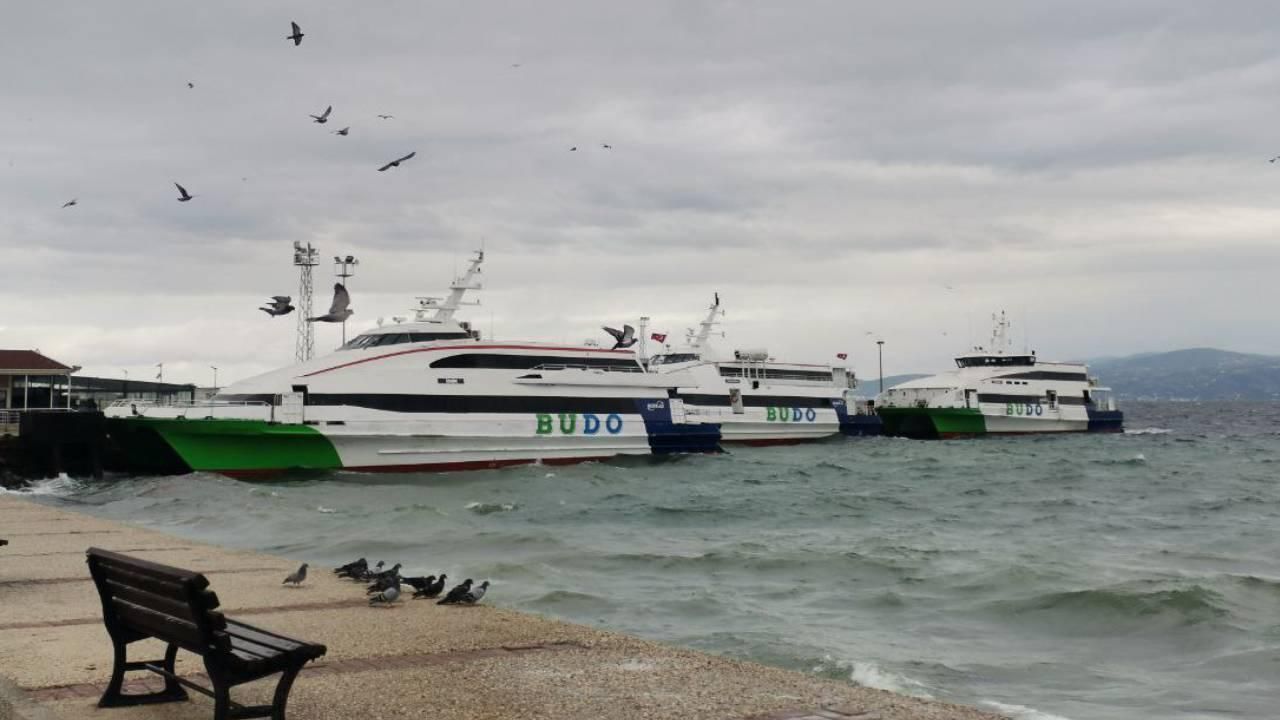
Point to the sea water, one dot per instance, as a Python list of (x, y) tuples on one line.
[(1084, 577)]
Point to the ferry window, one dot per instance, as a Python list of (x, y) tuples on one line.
[(495, 361)]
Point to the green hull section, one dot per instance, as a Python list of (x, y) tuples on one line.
[(931, 422), (243, 445)]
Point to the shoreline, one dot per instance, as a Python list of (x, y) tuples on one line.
[(424, 660)]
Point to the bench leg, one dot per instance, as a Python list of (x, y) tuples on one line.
[(113, 697), (281, 698)]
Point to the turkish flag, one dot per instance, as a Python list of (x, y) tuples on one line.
[(660, 337), (843, 356)]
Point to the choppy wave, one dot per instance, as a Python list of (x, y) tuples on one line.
[(61, 486), (1148, 431), (869, 674), (1194, 604), (1021, 712), (480, 508)]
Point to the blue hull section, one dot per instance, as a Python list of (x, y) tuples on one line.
[(861, 425), (1106, 421), (666, 437)]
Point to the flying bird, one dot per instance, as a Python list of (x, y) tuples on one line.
[(1274, 159), (624, 338), (184, 196), (386, 117), (396, 162), (297, 35), (573, 149), (297, 577), (338, 311), (70, 203), (342, 132), (433, 590), (278, 305), (606, 146), (191, 85), (456, 594), (386, 597), (323, 117)]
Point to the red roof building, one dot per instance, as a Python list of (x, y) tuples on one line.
[(31, 380)]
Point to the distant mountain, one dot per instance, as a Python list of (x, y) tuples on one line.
[(1194, 374), (870, 386)]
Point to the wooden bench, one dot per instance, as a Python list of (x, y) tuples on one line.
[(142, 599)]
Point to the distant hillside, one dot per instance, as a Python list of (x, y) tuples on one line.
[(1194, 374), (870, 386)]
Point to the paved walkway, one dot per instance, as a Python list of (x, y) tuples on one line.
[(414, 660)]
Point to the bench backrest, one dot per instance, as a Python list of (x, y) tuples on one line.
[(146, 599)]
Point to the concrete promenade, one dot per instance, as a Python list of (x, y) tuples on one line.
[(415, 660)]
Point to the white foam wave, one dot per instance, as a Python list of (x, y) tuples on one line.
[(1148, 431), (874, 676), (1022, 712), (326, 510), (60, 486), (486, 508)]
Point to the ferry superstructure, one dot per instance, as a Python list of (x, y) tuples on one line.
[(428, 394), (754, 398), (997, 391)]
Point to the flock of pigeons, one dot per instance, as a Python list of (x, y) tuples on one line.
[(339, 309), (296, 36), (384, 585)]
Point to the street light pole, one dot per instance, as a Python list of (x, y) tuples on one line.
[(880, 353), (214, 368)]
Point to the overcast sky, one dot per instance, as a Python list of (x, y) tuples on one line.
[(833, 169)]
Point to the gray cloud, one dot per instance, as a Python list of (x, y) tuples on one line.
[(1098, 170)]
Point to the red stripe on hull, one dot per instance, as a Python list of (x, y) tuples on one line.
[(419, 467), (770, 442), (468, 347), (952, 436)]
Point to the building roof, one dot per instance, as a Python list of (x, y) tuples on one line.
[(22, 360)]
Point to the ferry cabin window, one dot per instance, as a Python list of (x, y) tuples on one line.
[(495, 361), (380, 339), (822, 376), (673, 358), (995, 361)]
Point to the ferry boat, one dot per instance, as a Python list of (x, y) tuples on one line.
[(754, 398), (997, 391), (428, 394)]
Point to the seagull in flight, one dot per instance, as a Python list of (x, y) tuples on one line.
[(278, 305), (70, 203), (323, 117), (343, 132), (297, 35), (606, 146), (396, 162), (184, 196), (573, 149), (339, 310), (386, 117), (624, 338), (191, 85)]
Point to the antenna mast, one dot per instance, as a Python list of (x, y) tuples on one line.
[(344, 268), (305, 257)]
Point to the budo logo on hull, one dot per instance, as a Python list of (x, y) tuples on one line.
[(591, 423), (790, 414)]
